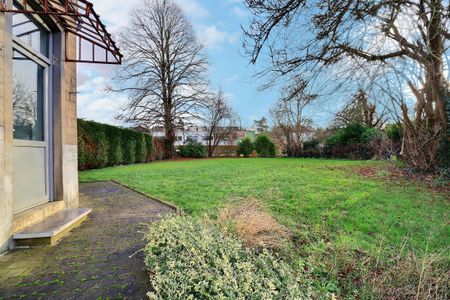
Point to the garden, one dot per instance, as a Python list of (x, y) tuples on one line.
[(332, 228)]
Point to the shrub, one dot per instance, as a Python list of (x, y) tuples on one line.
[(353, 151), (370, 135), (352, 142), (393, 132), (193, 260), (192, 149), (101, 145), (312, 153), (245, 147), (264, 146), (354, 133), (311, 145)]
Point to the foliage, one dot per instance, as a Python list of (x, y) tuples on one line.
[(352, 151), (444, 158), (261, 125), (353, 133), (326, 194), (246, 147), (264, 146), (393, 132), (92, 145), (310, 144), (352, 142), (101, 145), (190, 259), (192, 149)]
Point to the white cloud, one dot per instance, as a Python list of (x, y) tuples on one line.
[(212, 36), (94, 103), (231, 79), (193, 8), (241, 13)]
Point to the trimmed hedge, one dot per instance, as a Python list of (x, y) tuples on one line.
[(102, 145)]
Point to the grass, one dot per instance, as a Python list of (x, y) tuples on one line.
[(325, 195)]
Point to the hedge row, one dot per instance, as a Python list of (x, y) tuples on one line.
[(102, 145), (352, 152)]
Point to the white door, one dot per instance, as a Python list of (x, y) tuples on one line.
[(31, 163)]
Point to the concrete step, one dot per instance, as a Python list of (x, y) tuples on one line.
[(52, 229)]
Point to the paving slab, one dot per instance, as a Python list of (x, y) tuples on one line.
[(98, 260)]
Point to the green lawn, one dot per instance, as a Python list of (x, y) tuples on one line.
[(326, 195)]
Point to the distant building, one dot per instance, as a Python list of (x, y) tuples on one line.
[(196, 133)]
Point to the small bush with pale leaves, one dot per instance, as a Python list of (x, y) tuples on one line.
[(191, 259)]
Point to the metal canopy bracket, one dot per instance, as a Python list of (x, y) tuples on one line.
[(81, 24)]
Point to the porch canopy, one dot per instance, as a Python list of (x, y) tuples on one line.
[(79, 19)]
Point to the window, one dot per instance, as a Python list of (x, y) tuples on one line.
[(31, 33), (28, 98)]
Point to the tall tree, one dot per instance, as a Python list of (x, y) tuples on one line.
[(261, 125), (292, 122), (164, 69), (220, 121), (302, 35)]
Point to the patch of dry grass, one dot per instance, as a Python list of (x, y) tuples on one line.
[(254, 225)]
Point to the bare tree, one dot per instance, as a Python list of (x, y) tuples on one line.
[(291, 119), (360, 110), (164, 70), (220, 120), (386, 35), (25, 110)]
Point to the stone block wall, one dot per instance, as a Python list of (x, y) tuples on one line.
[(64, 128)]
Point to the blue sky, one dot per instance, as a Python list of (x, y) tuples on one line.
[(218, 24)]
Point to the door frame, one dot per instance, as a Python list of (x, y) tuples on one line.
[(46, 63)]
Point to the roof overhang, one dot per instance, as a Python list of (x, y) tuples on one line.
[(78, 18)]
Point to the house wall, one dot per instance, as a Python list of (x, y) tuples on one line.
[(6, 133), (65, 125), (64, 136)]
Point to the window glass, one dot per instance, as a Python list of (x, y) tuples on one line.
[(28, 99), (32, 34)]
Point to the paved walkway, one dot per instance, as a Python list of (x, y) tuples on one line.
[(93, 262)]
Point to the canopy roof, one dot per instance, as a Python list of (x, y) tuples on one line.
[(78, 18)]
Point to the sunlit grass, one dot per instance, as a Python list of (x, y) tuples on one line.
[(327, 195)]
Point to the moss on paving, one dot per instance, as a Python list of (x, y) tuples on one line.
[(96, 260)]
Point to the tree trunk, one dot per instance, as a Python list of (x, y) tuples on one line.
[(169, 141)]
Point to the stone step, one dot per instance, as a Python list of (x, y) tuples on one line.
[(52, 229)]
